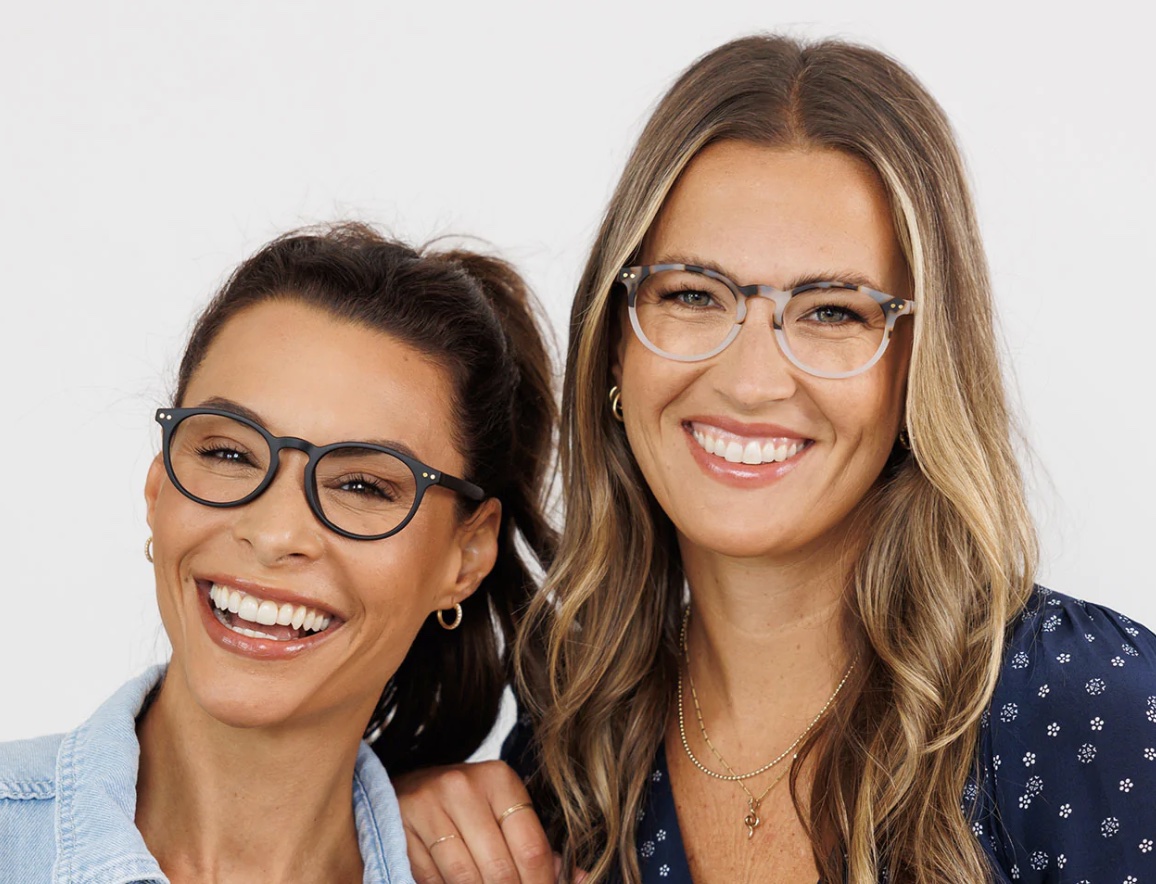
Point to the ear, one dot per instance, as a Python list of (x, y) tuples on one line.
[(153, 481), (477, 544)]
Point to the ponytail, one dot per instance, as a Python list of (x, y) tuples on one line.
[(447, 693)]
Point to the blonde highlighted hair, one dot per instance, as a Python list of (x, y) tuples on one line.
[(950, 553)]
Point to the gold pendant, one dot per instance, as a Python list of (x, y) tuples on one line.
[(751, 820)]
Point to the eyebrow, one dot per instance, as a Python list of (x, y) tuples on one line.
[(851, 277), (242, 411)]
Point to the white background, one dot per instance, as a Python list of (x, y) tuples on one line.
[(145, 149)]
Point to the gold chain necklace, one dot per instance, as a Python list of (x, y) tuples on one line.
[(751, 818)]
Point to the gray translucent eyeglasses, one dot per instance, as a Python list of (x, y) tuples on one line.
[(827, 329)]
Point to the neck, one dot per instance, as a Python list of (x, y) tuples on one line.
[(768, 644), (221, 803)]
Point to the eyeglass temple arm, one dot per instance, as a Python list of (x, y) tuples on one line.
[(461, 486)]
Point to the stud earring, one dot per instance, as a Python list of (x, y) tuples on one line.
[(616, 403), (457, 618), (149, 548)]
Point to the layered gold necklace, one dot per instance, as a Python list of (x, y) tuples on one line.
[(751, 817)]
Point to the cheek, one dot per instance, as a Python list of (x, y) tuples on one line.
[(647, 391), (650, 383), (404, 574), (866, 416), (180, 525)]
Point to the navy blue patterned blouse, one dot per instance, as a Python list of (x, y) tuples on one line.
[(1067, 754)]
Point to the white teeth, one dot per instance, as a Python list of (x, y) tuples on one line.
[(248, 609), (265, 612), (737, 449)]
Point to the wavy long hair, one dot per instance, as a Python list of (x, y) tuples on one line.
[(950, 553)]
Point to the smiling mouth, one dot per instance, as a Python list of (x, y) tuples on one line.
[(255, 617), (745, 449)]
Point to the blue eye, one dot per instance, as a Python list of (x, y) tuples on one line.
[(690, 298), (832, 314)]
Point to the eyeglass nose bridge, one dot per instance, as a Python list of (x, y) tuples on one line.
[(776, 296), (277, 444)]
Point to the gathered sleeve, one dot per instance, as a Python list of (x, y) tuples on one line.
[(1066, 782)]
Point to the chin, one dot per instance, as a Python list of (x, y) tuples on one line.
[(239, 698), (736, 539), (241, 709)]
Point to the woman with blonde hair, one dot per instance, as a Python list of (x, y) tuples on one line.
[(792, 630)]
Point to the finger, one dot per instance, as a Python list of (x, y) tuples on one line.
[(425, 870), (529, 846), (455, 861), (473, 816), (448, 803)]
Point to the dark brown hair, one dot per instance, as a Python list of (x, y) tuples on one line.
[(474, 315)]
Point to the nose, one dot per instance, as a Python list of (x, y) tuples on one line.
[(753, 370), (279, 525)]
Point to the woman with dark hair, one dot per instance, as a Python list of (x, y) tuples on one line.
[(360, 435), (792, 631)]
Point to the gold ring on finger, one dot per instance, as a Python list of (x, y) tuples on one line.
[(438, 841), (514, 808)]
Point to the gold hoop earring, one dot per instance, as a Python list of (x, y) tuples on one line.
[(457, 618), (149, 548), (616, 403)]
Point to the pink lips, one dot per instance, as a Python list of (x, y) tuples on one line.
[(743, 475)]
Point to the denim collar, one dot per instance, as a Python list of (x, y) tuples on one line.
[(96, 775)]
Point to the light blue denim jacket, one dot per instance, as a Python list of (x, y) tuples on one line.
[(67, 805)]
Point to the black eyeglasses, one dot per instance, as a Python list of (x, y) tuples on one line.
[(357, 489)]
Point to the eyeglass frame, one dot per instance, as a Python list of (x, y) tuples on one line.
[(632, 277), (424, 475)]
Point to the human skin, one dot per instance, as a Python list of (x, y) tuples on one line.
[(247, 762)]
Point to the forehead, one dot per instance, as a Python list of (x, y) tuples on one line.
[(768, 215), (325, 379)]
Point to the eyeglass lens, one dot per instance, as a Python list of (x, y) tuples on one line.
[(217, 459), (689, 314)]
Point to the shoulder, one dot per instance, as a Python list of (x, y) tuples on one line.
[(380, 831), (1065, 656), (1068, 746), (28, 807), (28, 768)]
